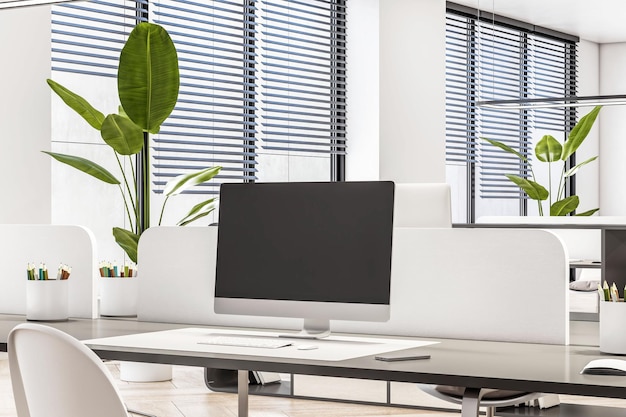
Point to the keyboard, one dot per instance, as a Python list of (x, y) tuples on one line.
[(243, 341)]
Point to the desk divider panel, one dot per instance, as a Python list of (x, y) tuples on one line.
[(486, 284), (53, 244)]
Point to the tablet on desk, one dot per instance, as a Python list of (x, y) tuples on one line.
[(400, 356)]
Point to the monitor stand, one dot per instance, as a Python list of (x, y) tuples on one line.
[(312, 329)]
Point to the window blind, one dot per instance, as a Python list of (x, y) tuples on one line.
[(303, 82), (87, 37), (488, 60), (215, 120), (251, 71)]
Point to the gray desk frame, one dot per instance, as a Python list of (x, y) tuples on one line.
[(472, 364)]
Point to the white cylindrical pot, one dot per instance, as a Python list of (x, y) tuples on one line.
[(46, 300), (145, 372), (612, 325), (118, 296)]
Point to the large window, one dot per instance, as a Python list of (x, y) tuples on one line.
[(263, 87), (493, 58)]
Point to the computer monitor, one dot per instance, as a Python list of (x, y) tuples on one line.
[(319, 251)]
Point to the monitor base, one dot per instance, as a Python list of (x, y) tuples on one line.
[(311, 329)]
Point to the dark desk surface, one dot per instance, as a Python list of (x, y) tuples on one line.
[(84, 329), (475, 364)]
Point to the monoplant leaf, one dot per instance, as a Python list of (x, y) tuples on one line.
[(127, 241), (148, 77), (579, 132), (565, 206), (533, 189), (182, 182), (548, 149), (122, 134), (506, 148), (573, 170), (86, 166), (78, 104)]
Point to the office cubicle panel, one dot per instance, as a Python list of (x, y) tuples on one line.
[(581, 235), (489, 284), (484, 284), (52, 244), (178, 278)]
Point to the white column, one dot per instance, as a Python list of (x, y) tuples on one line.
[(412, 90), (613, 131), (25, 115)]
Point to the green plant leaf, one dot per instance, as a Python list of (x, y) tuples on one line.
[(533, 189), (148, 78), (198, 211), (78, 104), (122, 134), (565, 206), (548, 149), (85, 166), (127, 241), (579, 132), (182, 182), (506, 148), (573, 170), (588, 212)]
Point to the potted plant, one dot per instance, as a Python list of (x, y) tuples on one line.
[(148, 82), (550, 150)]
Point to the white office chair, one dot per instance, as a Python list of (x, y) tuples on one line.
[(422, 205), (472, 399), (55, 375)]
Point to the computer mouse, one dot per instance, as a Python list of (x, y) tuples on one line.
[(306, 347), (605, 367)]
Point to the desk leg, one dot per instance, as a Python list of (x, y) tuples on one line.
[(471, 402), (242, 393)]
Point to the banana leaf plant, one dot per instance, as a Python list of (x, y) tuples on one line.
[(550, 150), (148, 81)]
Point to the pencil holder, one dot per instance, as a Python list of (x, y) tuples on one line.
[(46, 300), (118, 296), (612, 325)]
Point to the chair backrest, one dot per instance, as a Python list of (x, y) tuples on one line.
[(422, 205), (55, 375)]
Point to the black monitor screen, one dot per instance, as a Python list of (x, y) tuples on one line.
[(312, 241)]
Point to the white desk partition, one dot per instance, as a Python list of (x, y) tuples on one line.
[(177, 277), (52, 244), (485, 284), (582, 240)]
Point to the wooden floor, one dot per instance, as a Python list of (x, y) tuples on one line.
[(187, 396)]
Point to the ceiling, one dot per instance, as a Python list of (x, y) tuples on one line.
[(601, 21)]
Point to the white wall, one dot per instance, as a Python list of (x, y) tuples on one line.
[(25, 115), (613, 128)]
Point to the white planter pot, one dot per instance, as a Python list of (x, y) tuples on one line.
[(145, 372), (46, 300), (612, 325), (118, 296)]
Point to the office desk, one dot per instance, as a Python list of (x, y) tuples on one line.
[(473, 364)]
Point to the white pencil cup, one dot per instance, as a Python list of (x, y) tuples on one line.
[(47, 300), (118, 296), (612, 325)]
